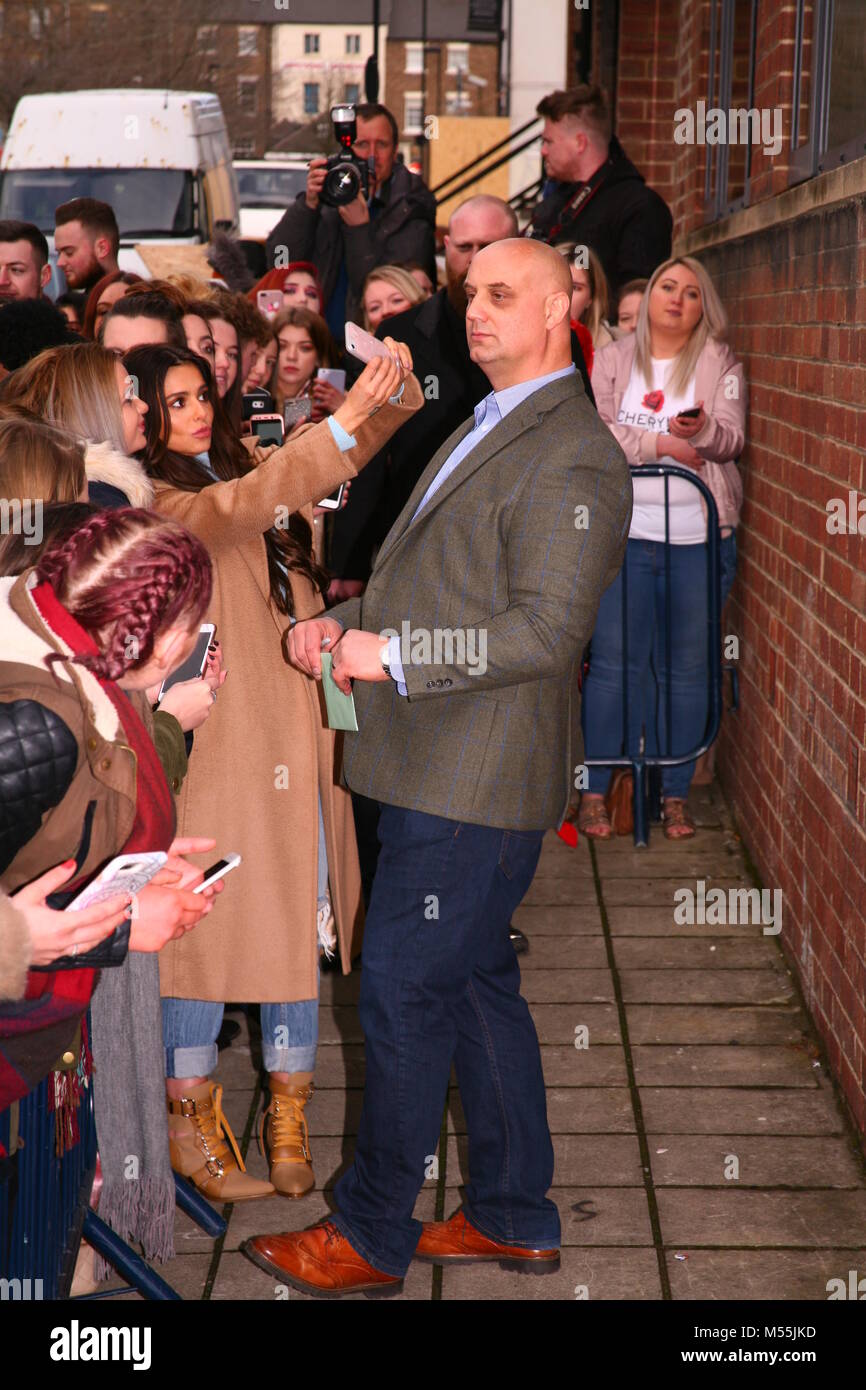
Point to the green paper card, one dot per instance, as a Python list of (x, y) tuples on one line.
[(340, 707)]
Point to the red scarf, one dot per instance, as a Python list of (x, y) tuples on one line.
[(154, 824)]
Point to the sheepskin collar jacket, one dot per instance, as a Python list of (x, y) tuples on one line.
[(115, 480)]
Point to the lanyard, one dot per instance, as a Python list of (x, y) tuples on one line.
[(578, 201)]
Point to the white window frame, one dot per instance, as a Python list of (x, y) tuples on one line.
[(414, 99), (353, 43), (312, 43), (414, 58), (207, 34), (458, 57), (248, 40)]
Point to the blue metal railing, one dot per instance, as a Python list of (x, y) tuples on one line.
[(45, 1207), (641, 762)]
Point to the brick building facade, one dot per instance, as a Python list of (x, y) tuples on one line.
[(781, 227)]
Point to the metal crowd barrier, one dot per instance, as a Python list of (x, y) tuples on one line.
[(643, 763), (45, 1209)]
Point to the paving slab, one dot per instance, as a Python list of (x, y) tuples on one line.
[(572, 1110), (603, 1215), (704, 953), (672, 1110), (558, 921), (688, 1023), (708, 1216), (556, 1023), (706, 864), (756, 1275), (610, 1273), (562, 891), (649, 919), (611, 1160), (768, 986), (600, 1064), (567, 986), (563, 953), (687, 1160), (656, 892), (705, 1065)]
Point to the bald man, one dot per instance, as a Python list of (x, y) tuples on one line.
[(463, 651)]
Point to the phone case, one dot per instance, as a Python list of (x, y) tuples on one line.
[(340, 707)]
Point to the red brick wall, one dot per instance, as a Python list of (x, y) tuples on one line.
[(792, 759)]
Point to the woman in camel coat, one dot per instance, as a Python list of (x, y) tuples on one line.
[(265, 760)]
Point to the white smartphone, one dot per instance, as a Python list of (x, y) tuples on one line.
[(218, 870), (363, 345), (332, 503), (128, 873), (335, 375), (193, 668)]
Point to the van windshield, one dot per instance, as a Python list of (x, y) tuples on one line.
[(269, 187), (147, 202)]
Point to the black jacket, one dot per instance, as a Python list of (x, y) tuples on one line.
[(404, 230), (627, 224), (453, 385)]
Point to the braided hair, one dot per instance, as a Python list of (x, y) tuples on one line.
[(125, 576)]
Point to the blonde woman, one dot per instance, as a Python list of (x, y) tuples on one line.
[(388, 290), (590, 295), (676, 361), (86, 390)]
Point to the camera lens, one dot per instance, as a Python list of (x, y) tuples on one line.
[(342, 185)]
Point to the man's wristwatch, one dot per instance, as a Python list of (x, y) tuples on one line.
[(383, 652)]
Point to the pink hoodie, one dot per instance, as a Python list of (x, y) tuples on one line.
[(722, 437)]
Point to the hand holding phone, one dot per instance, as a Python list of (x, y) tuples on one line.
[(218, 871), (689, 414), (269, 302), (193, 667), (268, 428)]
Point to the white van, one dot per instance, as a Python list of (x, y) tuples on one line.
[(161, 159)]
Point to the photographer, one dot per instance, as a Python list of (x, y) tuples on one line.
[(392, 222)]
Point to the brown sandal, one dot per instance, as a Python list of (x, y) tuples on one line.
[(678, 824), (593, 820)]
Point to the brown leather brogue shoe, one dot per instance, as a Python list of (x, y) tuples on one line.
[(456, 1242), (320, 1261)]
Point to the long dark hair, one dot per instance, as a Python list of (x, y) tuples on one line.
[(291, 547)]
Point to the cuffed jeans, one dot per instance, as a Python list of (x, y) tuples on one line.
[(290, 1032), (440, 985), (644, 576)]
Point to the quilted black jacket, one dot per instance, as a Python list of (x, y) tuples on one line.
[(38, 758)]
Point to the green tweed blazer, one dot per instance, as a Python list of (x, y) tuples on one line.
[(494, 590)]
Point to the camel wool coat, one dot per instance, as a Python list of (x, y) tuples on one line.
[(265, 752)]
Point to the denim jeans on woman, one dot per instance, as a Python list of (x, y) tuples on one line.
[(643, 575), (290, 1032)]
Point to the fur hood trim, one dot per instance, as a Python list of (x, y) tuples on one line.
[(105, 465)]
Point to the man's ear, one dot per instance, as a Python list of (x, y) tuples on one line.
[(44, 275), (101, 248), (557, 307)]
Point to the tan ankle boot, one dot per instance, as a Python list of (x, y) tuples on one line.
[(288, 1141), (197, 1131)]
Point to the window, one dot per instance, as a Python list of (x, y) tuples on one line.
[(458, 57), (352, 92), (828, 119), (414, 57), (353, 43), (731, 86), (311, 43), (413, 113), (206, 38), (247, 89), (311, 98), (457, 103), (248, 41)]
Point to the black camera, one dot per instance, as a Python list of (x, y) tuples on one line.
[(347, 175)]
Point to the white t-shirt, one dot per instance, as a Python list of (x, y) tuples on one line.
[(651, 410)]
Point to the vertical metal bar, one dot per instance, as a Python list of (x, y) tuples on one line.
[(668, 666), (711, 87)]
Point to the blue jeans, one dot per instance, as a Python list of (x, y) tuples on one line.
[(290, 1032), (440, 985), (644, 576)]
